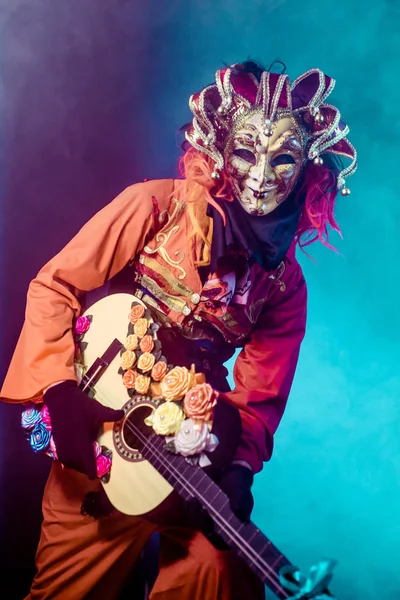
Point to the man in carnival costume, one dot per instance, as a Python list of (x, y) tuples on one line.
[(213, 257)]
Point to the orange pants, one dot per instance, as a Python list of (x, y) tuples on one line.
[(80, 558)]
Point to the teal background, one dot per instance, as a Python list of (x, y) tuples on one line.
[(93, 94), (332, 486)]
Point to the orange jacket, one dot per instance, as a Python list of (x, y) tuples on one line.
[(148, 225)]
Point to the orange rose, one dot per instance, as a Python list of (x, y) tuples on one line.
[(176, 383), (159, 370), (141, 326), (128, 359), (199, 402), (131, 342), (136, 313), (142, 384), (146, 343), (146, 362), (129, 379)]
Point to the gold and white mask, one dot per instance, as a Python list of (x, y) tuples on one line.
[(263, 165), (262, 130)]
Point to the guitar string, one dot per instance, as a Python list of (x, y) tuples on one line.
[(225, 525)]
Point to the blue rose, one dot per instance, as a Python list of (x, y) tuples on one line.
[(30, 417), (40, 438)]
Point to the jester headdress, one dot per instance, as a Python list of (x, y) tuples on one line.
[(219, 107)]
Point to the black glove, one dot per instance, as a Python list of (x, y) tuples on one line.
[(76, 419), (236, 482)]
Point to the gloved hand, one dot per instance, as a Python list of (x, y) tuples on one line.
[(236, 482), (76, 419)]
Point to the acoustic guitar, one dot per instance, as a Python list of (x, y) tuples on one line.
[(142, 462)]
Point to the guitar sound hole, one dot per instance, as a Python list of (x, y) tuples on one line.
[(134, 422)]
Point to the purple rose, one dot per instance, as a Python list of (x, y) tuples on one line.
[(46, 417), (40, 438), (30, 417), (82, 324), (97, 449)]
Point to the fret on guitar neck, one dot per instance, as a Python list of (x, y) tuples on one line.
[(192, 482)]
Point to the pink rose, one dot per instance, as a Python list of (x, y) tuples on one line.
[(52, 449), (103, 465), (199, 402), (46, 417), (159, 370), (82, 324)]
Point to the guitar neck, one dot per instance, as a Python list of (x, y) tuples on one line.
[(249, 542)]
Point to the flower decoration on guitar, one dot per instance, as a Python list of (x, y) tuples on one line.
[(35, 418), (35, 421), (186, 401)]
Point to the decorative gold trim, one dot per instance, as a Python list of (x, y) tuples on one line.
[(172, 302), (163, 237), (277, 278), (154, 265), (250, 312)]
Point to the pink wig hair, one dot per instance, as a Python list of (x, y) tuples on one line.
[(318, 185)]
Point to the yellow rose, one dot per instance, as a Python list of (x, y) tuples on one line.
[(141, 326), (166, 419), (146, 362), (176, 383), (131, 342), (142, 384), (128, 359)]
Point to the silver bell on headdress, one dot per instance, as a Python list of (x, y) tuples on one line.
[(268, 128), (318, 161), (319, 117), (215, 175), (345, 191)]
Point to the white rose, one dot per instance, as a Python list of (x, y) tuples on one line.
[(194, 437)]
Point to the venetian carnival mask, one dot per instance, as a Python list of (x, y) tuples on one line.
[(262, 131), (263, 169)]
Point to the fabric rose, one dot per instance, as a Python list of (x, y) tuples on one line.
[(39, 438), (97, 449), (103, 459), (141, 326), (80, 371), (136, 313), (44, 413), (142, 384), (52, 450), (146, 362), (176, 383), (82, 324), (103, 465), (159, 370), (192, 439), (128, 359), (129, 379), (200, 401), (146, 343), (131, 342), (30, 417), (166, 419)]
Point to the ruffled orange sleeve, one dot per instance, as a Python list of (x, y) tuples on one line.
[(45, 350), (264, 370)]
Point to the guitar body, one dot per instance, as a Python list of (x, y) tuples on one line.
[(138, 485), (135, 486)]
